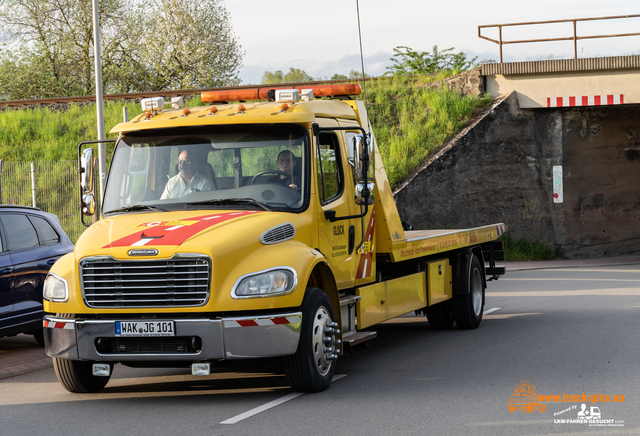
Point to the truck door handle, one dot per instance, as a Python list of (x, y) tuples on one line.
[(52, 261), (6, 270)]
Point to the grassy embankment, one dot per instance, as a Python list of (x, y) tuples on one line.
[(410, 122)]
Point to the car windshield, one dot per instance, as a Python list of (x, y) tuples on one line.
[(241, 167)]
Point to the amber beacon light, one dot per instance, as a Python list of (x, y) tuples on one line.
[(262, 93)]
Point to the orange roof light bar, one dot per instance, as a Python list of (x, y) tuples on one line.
[(261, 93), (234, 95)]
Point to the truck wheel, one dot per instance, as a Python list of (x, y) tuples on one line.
[(467, 309), (440, 316), (76, 376), (311, 368)]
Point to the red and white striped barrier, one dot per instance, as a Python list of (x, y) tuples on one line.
[(263, 321), (585, 100), (501, 229), (58, 325)]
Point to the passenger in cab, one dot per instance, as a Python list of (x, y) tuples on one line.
[(187, 180), (286, 164)]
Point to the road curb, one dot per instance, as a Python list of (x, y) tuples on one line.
[(572, 263)]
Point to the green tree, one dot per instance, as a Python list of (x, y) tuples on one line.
[(59, 33), (294, 75), (25, 73), (190, 44), (407, 61), (353, 74)]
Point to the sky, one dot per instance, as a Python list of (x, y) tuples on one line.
[(321, 37)]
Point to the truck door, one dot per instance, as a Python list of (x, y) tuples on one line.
[(335, 238), (365, 268), (346, 243)]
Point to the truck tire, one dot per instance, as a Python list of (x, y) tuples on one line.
[(312, 367), (440, 316), (467, 309), (76, 376)]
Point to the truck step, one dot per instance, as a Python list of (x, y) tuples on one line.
[(351, 339)]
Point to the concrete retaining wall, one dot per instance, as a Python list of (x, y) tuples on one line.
[(500, 169)]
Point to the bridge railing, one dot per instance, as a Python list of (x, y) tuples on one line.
[(500, 41)]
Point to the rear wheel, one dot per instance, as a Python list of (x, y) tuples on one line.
[(77, 376), (312, 367), (440, 316), (467, 309)]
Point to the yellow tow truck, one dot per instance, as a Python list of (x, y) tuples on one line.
[(260, 225)]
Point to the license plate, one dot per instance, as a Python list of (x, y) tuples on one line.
[(145, 328)]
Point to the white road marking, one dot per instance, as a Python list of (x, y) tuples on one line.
[(271, 404), (488, 311)]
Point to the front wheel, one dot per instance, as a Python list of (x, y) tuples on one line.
[(77, 376), (467, 309), (312, 367)]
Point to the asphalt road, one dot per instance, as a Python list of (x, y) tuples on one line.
[(565, 331)]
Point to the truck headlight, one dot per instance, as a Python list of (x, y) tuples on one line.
[(55, 289), (276, 281)]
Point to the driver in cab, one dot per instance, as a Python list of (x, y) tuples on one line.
[(187, 180), (286, 164)]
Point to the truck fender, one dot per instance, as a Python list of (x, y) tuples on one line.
[(322, 277), (461, 264)]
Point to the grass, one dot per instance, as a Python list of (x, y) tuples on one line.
[(411, 120), (524, 249), (42, 134)]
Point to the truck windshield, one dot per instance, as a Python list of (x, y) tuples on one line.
[(234, 167)]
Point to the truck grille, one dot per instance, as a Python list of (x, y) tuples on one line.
[(177, 282)]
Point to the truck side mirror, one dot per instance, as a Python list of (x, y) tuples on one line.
[(88, 204), (362, 147), (86, 170)]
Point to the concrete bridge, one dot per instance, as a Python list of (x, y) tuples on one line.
[(556, 157)]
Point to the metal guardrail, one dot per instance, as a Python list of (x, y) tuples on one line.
[(573, 38)]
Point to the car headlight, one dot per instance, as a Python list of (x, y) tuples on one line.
[(276, 281), (55, 289)]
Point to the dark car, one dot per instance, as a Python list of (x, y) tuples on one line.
[(30, 242)]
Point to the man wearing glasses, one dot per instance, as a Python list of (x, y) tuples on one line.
[(187, 180)]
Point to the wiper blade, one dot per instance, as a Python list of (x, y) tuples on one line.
[(137, 207), (223, 201)]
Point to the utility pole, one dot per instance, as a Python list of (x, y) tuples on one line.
[(102, 156)]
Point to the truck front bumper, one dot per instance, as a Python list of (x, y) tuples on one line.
[(217, 339)]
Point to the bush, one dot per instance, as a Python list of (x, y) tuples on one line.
[(525, 249)]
